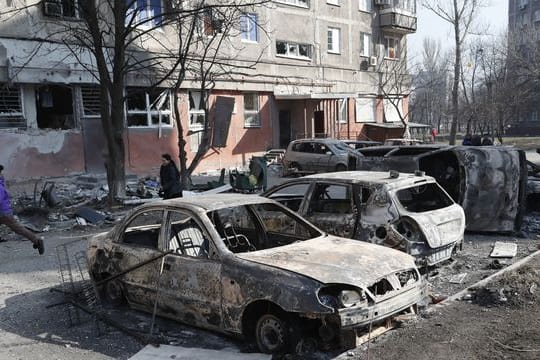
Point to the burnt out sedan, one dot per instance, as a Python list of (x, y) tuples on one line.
[(246, 266), (409, 212)]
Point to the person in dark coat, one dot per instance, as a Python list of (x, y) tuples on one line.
[(7, 218), (169, 178), (467, 140)]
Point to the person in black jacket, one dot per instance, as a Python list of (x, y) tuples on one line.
[(169, 178)]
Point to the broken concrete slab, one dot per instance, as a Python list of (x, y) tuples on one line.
[(150, 352), (503, 250)]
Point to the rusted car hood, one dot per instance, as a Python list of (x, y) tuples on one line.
[(441, 227), (330, 259)]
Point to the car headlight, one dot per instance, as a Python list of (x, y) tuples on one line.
[(350, 298), (329, 300)]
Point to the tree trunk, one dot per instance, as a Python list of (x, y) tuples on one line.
[(455, 85)]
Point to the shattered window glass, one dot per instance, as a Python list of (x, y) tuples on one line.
[(423, 197), (335, 199), (143, 230), (276, 221), (291, 196)]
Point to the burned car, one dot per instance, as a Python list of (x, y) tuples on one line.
[(245, 265), (489, 182), (408, 212)]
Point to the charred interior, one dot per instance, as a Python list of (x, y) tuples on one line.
[(444, 167)]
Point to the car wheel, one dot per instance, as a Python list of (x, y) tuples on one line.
[(271, 334), (341, 167), (113, 293)]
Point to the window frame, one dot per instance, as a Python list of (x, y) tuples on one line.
[(333, 2), (61, 3), (333, 34), (254, 113), (365, 6), (13, 115), (396, 48), (144, 18), (342, 111), (150, 111), (298, 3), (249, 27), (288, 45), (365, 44)]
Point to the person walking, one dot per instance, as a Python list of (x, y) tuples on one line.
[(169, 178), (7, 218)]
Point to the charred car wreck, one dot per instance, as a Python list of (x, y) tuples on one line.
[(489, 182), (245, 265), (408, 212)]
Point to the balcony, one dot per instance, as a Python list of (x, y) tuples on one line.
[(397, 21)]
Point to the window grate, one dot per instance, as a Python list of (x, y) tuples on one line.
[(11, 112), (91, 100)]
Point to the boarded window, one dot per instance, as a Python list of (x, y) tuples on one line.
[(91, 101)]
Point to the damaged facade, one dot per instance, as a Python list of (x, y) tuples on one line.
[(318, 78)]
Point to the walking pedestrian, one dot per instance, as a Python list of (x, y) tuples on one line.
[(169, 178), (7, 218)]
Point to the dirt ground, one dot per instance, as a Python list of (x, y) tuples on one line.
[(499, 321)]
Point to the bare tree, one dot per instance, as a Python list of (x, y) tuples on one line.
[(430, 81), (111, 42), (461, 15)]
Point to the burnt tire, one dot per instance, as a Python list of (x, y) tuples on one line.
[(271, 334), (341, 167), (113, 293), (295, 165)]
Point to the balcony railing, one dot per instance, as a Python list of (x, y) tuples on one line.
[(398, 22)]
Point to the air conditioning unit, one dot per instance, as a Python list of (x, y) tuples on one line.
[(52, 8), (373, 61), (382, 2)]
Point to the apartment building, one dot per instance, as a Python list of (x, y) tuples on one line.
[(524, 27), (319, 65)]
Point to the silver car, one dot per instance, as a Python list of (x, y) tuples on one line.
[(247, 266), (317, 155)]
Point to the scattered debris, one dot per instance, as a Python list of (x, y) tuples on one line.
[(504, 250), (90, 215), (458, 278)]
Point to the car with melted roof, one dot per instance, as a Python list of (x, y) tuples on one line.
[(409, 212), (247, 266)]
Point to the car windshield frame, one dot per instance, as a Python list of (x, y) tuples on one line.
[(236, 239), (414, 198)]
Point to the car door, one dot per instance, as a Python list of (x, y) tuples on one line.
[(324, 157), (139, 243), (332, 208), (190, 287)]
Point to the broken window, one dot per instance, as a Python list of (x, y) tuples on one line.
[(391, 47), (237, 228), (280, 227), (251, 110), (148, 107), (54, 105), (197, 113), (423, 197), (292, 49), (301, 3), (335, 199), (144, 229), (291, 196), (11, 110), (185, 236)]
